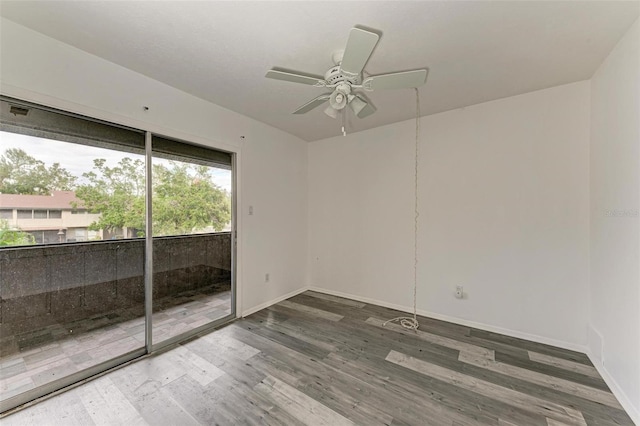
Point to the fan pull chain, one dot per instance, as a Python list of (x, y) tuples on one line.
[(411, 323), (344, 122)]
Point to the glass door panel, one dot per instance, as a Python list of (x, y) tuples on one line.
[(191, 217), (71, 252)]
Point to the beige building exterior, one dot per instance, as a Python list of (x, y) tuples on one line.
[(50, 218)]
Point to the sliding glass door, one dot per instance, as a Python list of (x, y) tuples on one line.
[(112, 243)]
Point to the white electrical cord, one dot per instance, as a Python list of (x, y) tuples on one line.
[(411, 323)]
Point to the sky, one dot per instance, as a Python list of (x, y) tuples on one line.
[(78, 159)]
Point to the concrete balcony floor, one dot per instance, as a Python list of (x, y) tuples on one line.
[(41, 356)]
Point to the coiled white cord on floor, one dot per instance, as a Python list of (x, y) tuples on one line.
[(411, 323)]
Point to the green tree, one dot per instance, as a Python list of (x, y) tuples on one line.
[(185, 199), (21, 173), (117, 193), (14, 237)]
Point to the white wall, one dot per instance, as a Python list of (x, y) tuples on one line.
[(504, 197), (504, 211), (272, 163), (615, 225)]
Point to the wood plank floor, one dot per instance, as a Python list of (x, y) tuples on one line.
[(100, 338), (321, 360)]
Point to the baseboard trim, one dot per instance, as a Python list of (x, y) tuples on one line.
[(486, 327), (624, 400), (261, 306)]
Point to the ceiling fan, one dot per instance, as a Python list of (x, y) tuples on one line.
[(346, 77)]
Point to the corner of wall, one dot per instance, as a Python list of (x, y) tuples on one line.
[(616, 389), (613, 281)]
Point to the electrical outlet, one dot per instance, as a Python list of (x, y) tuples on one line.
[(459, 292), (266, 277)]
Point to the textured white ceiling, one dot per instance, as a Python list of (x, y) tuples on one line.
[(219, 51)]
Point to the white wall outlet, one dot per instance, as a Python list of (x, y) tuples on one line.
[(459, 292), (266, 277), (250, 210)]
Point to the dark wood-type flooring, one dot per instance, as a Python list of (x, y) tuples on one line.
[(321, 360)]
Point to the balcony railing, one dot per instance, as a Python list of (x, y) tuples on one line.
[(60, 284)]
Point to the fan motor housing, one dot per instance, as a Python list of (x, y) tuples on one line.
[(335, 76)]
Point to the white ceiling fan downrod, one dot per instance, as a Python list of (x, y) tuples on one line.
[(411, 323)]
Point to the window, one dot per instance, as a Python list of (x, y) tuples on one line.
[(78, 211), (39, 214), (6, 214), (79, 234), (55, 214), (38, 237), (25, 214)]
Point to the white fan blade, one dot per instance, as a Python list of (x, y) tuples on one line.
[(397, 80), (359, 48), (293, 77), (361, 107), (312, 104)]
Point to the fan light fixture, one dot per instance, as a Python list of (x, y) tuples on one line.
[(357, 105), (337, 100), (346, 76), (340, 96), (332, 112)]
